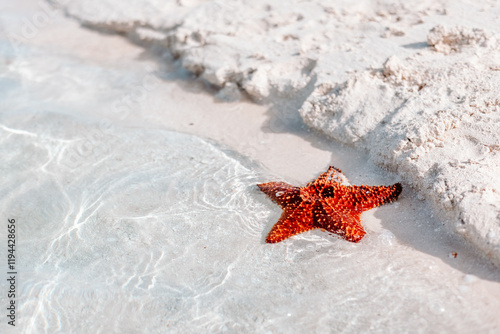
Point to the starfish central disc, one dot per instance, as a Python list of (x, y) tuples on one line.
[(329, 203)]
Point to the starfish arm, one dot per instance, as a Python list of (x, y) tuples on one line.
[(294, 220), (332, 175), (329, 216), (281, 193), (368, 197)]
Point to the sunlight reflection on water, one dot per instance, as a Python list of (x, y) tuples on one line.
[(136, 221), (171, 226)]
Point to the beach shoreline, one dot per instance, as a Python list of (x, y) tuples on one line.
[(139, 221)]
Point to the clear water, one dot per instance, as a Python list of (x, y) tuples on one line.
[(130, 230), (126, 226)]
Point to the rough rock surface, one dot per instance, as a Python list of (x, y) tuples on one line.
[(416, 83)]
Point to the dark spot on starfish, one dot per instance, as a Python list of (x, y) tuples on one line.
[(327, 192)]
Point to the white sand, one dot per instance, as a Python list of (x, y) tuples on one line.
[(414, 83), (98, 255)]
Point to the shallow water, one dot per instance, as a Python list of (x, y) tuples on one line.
[(163, 226), (130, 220)]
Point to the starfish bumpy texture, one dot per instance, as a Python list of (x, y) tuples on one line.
[(328, 203)]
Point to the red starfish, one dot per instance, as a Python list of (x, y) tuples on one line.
[(329, 203)]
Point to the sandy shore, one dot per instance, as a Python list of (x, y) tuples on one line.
[(64, 81), (415, 84)]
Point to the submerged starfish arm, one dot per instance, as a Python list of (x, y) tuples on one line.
[(281, 193), (292, 221), (345, 224), (368, 197), (332, 175)]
